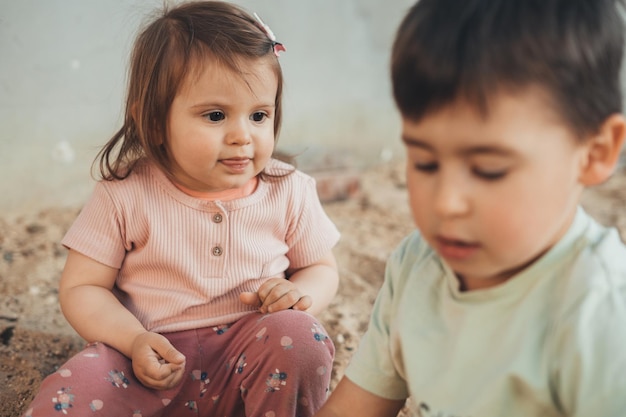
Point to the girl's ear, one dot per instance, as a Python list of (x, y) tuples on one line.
[(603, 151), (133, 112)]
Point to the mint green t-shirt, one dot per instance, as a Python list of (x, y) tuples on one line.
[(550, 341)]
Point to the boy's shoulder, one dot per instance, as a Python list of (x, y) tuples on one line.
[(586, 342), (413, 248), (414, 257), (598, 266), (600, 251)]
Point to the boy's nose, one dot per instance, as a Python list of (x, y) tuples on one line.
[(451, 199)]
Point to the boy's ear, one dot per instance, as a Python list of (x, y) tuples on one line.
[(603, 151)]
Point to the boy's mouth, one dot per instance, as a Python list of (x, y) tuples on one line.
[(454, 249)]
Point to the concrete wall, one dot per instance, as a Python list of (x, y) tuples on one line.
[(63, 73)]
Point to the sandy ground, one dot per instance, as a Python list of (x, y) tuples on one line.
[(35, 339)]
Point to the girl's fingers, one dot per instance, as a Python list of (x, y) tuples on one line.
[(304, 303), (250, 298), (275, 295), (288, 300)]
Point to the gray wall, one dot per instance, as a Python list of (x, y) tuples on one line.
[(63, 73)]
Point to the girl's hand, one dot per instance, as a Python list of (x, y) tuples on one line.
[(156, 363), (277, 294)]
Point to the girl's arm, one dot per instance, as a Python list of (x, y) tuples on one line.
[(88, 303), (349, 399), (311, 288), (318, 282)]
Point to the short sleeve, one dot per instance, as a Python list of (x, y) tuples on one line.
[(590, 357), (98, 231), (374, 366), (312, 234)]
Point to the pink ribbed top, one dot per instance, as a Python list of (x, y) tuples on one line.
[(183, 260)]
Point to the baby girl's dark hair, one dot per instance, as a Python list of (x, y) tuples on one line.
[(471, 49), (175, 45)]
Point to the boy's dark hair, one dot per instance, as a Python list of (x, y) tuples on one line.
[(470, 49), (175, 45)]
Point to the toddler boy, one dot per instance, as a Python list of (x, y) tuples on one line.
[(509, 300)]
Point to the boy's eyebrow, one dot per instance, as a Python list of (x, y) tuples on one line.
[(490, 150), (409, 141), (469, 151)]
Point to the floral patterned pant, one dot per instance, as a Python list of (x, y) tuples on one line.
[(273, 365)]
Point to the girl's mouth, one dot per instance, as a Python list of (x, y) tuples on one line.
[(236, 164)]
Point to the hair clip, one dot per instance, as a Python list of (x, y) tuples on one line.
[(276, 46)]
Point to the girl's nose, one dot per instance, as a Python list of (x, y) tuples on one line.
[(238, 133)]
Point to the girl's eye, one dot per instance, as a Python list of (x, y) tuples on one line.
[(258, 116), (215, 116), (489, 175)]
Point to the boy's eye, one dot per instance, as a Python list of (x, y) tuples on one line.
[(489, 175), (426, 167), (258, 116), (215, 116)]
